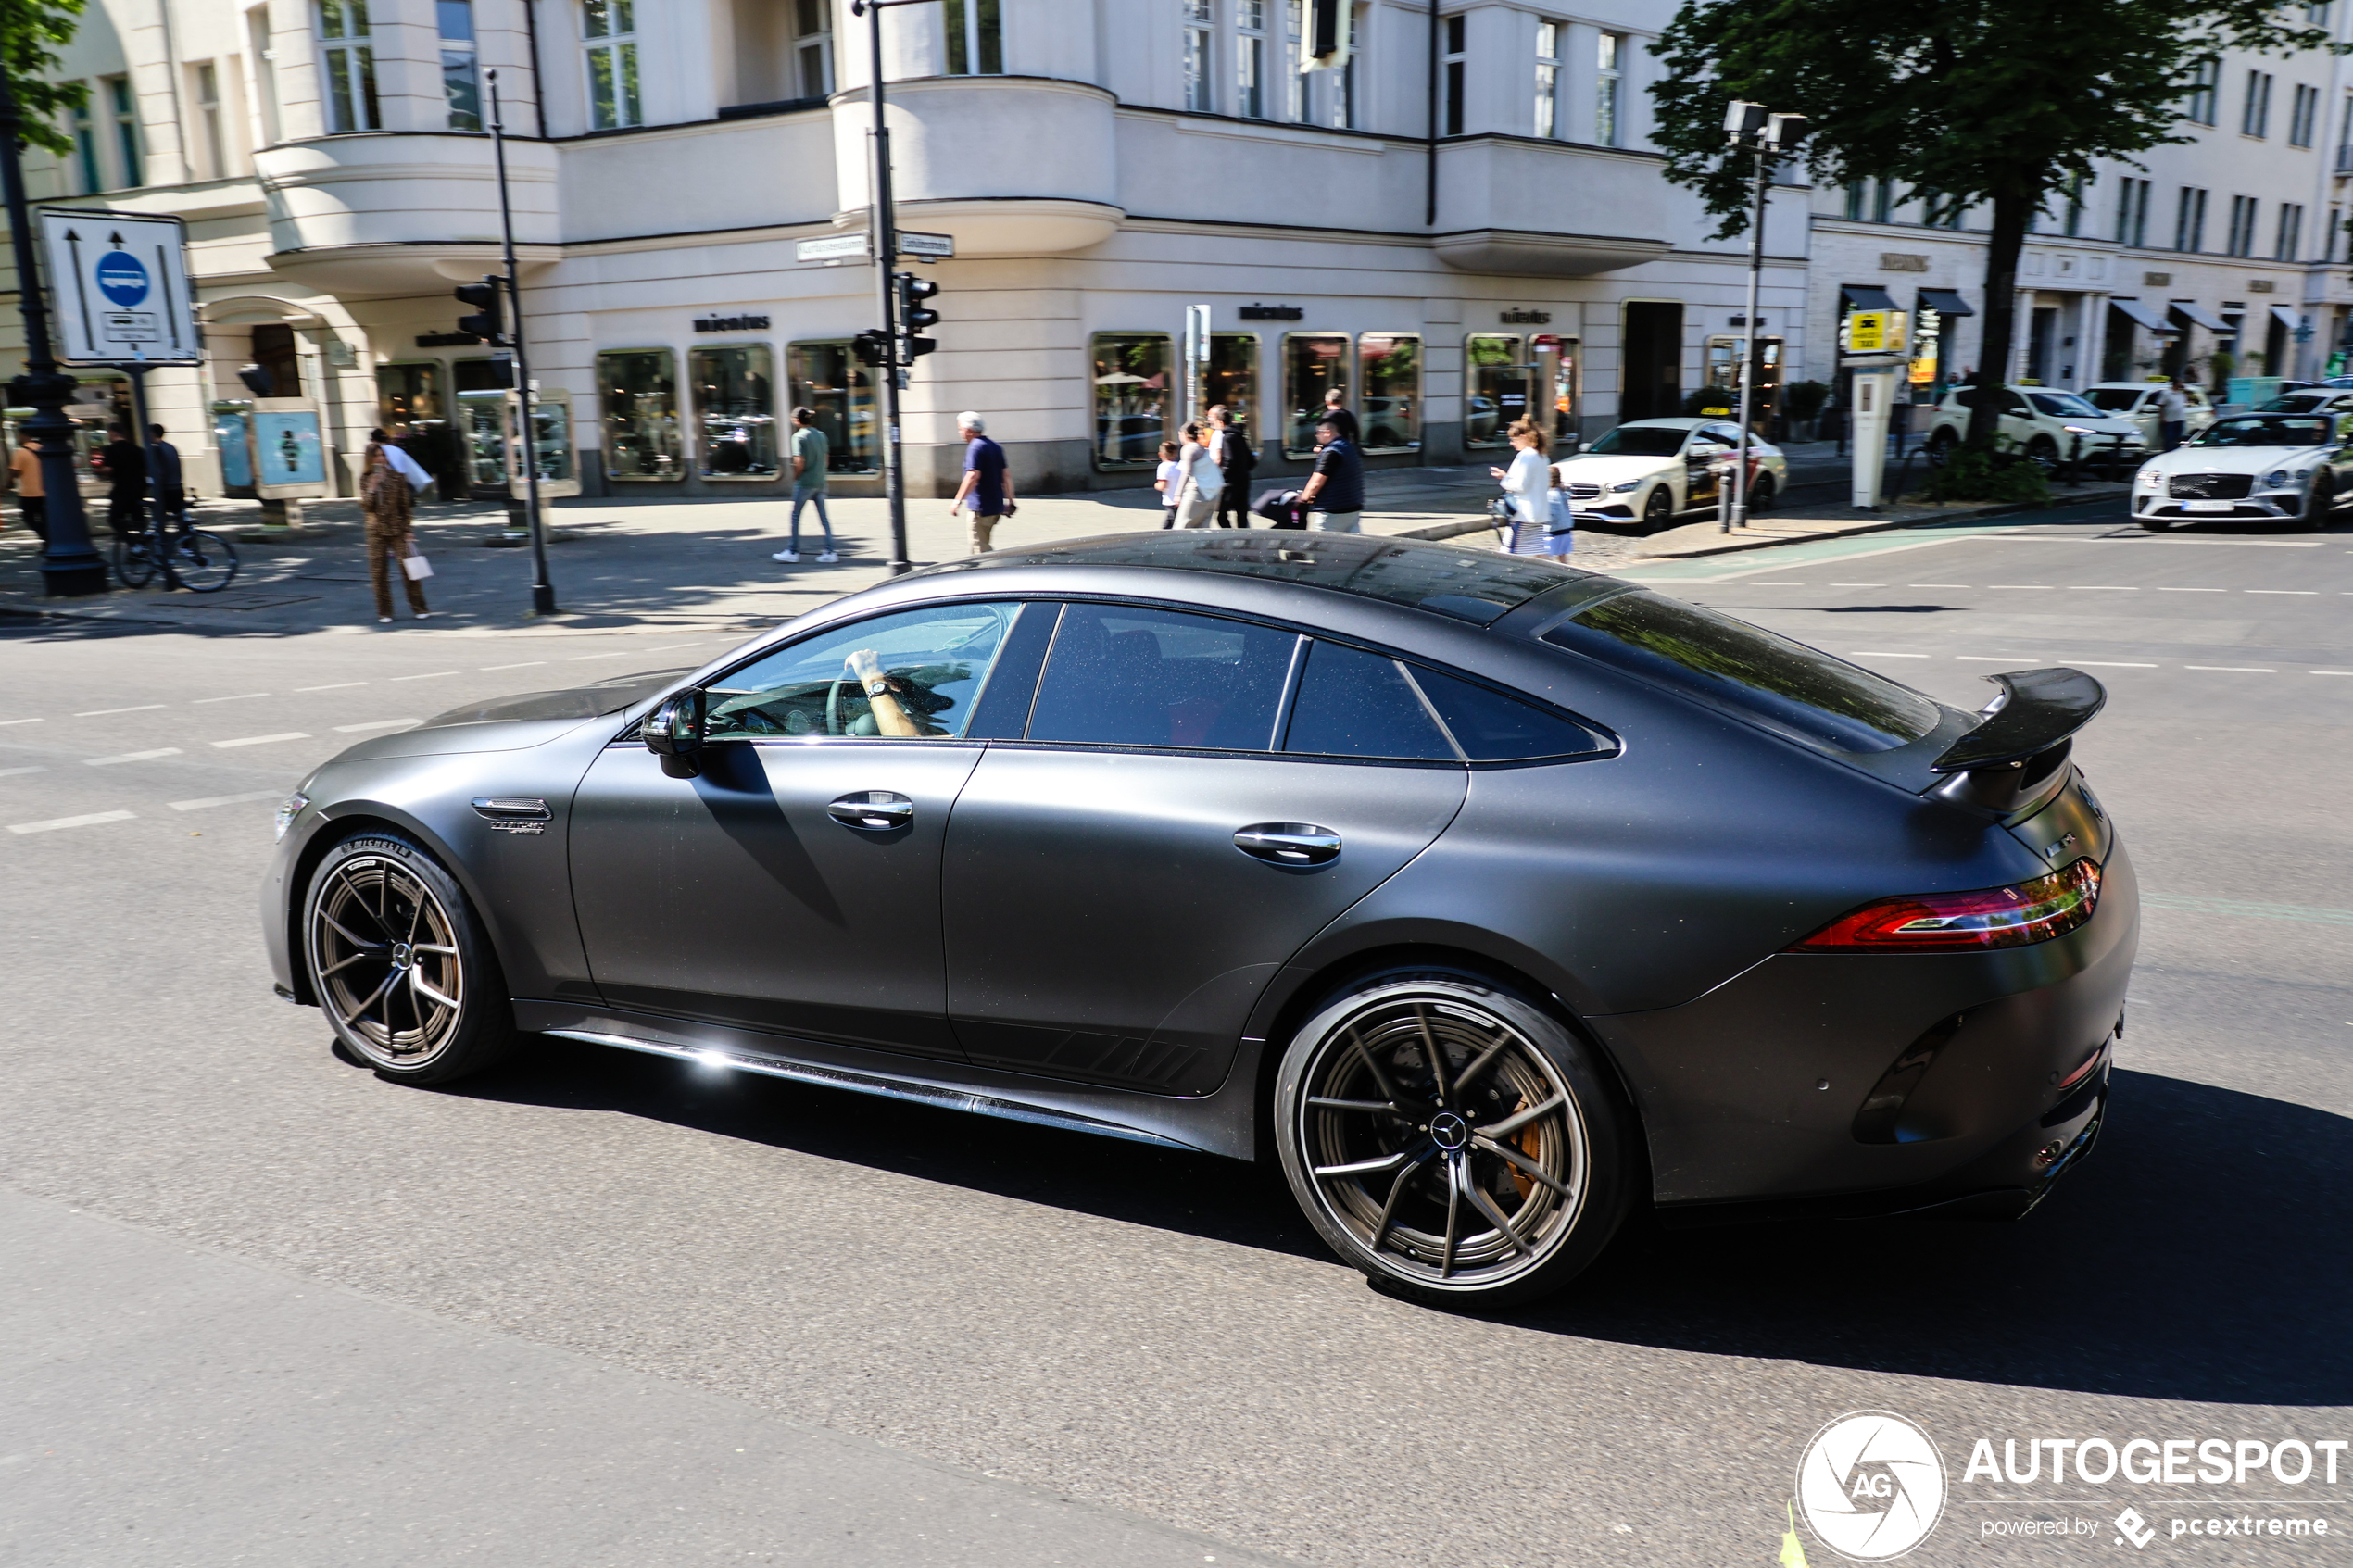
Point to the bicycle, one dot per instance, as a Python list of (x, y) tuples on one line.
[(201, 561)]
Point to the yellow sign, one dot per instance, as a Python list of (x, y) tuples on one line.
[(1875, 332)]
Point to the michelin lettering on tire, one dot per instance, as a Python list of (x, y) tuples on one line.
[(1871, 1486)]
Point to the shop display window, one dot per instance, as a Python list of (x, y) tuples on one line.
[(1231, 378), (827, 378), (1389, 398), (639, 387), (408, 395), (1133, 390), (1313, 364), (734, 411), (1558, 363), (1495, 378)]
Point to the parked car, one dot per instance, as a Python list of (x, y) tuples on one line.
[(2047, 425), (2258, 467), (1651, 471), (2325, 400), (1491, 897), (2136, 400)]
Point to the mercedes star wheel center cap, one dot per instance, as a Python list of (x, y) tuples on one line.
[(401, 954), (1449, 1131)]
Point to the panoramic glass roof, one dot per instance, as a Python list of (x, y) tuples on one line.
[(1473, 586)]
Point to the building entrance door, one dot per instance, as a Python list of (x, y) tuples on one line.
[(1651, 373)]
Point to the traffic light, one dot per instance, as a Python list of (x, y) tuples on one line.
[(872, 347), (488, 321), (915, 317)]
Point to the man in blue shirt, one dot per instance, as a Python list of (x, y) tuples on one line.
[(1334, 494), (988, 487)]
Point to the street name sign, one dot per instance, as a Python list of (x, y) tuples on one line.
[(838, 249), (119, 281)]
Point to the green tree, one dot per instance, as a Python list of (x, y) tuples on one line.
[(2001, 103), (30, 31)]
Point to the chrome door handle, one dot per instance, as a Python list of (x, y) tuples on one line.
[(872, 811), (1288, 844)]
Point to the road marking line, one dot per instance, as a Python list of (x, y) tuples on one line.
[(2193, 590), (211, 801), (102, 712), (1858, 584), (619, 653), (2030, 587), (375, 725), (13, 773), (1986, 658), (241, 697), (6, 723), (2101, 588), (134, 756), (1936, 584), (2329, 672), (526, 664), (339, 685), (2115, 664), (2305, 590), (428, 675), (260, 740), (1875, 653), (55, 822), (2232, 669)]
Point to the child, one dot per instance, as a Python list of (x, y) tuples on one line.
[(1166, 483)]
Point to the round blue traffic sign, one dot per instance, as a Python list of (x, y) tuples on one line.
[(121, 279)]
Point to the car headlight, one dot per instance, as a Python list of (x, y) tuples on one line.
[(2150, 479), (1629, 484), (288, 809), (2078, 430), (2280, 478)]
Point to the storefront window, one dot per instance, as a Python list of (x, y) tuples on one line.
[(1313, 364), (1557, 367), (735, 407), (1132, 411), (1495, 388), (407, 393), (1389, 369), (640, 391), (1232, 377), (827, 378)]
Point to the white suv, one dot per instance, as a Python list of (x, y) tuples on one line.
[(2048, 425), (2136, 400)]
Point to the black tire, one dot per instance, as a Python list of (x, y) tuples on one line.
[(2318, 505), (135, 563), (1659, 510), (417, 1012), (203, 561), (2044, 453), (1365, 1124), (1762, 493)]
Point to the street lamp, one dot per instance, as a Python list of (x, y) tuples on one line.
[(543, 592), (69, 564), (1768, 136)]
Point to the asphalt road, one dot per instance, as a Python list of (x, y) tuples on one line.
[(262, 1306)]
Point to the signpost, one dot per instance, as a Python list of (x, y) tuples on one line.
[(856, 246)]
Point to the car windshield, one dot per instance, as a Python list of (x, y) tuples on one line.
[(1639, 440), (2061, 403), (1784, 685), (2113, 399), (2300, 403), (2263, 429)]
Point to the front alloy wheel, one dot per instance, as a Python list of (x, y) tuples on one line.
[(1456, 1143), (1659, 510)]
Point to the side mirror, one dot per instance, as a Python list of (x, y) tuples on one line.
[(674, 733)]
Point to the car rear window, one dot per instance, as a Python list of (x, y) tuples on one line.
[(1491, 727), (1352, 703), (1786, 686), (1121, 676), (2114, 399)]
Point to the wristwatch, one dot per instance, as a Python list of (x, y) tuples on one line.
[(878, 687)]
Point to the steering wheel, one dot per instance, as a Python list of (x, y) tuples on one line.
[(833, 707)]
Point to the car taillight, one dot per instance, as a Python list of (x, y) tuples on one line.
[(1945, 923)]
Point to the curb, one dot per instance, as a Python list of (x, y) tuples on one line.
[(1880, 525)]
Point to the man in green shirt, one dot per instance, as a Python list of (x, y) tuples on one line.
[(810, 449)]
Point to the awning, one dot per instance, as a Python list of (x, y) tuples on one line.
[(1866, 296), (1944, 302), (2285, 315), (2197, 315), (2144, 314)]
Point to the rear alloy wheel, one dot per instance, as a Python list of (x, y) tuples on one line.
[(2044, 453), (400, 966), (1456, 1142), (1658, 510), (1760, 494)]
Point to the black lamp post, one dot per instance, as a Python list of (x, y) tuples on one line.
[(1767, 136), (69, 564)]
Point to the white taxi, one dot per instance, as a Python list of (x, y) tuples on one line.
[(1648, 471)]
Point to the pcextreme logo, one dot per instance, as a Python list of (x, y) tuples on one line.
[(1871, 1484)]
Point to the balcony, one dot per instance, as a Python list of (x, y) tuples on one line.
[(394, 212)]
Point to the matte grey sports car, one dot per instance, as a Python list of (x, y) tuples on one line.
[(1494, 897)]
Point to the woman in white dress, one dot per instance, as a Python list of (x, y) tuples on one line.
[(1529, 482), (1197, 479)]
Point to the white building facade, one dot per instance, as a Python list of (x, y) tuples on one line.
[(1463, 224)]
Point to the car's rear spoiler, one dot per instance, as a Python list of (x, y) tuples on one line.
[(2018, 757)]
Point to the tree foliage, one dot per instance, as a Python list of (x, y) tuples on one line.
[(30, 32)]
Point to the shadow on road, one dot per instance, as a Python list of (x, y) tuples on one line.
[(2204, 1253)]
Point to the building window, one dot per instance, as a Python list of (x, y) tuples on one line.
[(408, 395), (2133, 212), (827, 378), (1295, 79), (1857, 193), (124, 108), (2303, 117), (640, 391), (1389, 400), (350, 63), (2328, 238), (2254, 117), (2291, 235), (976, 38), (2189, 219), (1548, 79), (2241, 236), (1250, 58), (2206, 78), (211, 142), (86, 150), (1344, 80), (1231, 378), (1495, 388), (460, 70), (610, 30), (734, 411), (1132, 387), (813, 29), (1605, 91), (1201, 55), (265, 71), (1451, 71), (1314, 363), (2076, 188)]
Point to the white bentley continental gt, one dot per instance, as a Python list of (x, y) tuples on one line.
[(2255, 466), (1646, 471)]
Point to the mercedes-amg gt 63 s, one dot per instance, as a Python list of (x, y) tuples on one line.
[(1492, 898)]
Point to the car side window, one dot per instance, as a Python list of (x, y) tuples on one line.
[(2013, 404), (1491, 727), (1126, 675), (909, 676), (1356, 704)]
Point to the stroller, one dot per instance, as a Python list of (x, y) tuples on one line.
[(1282, 509)]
